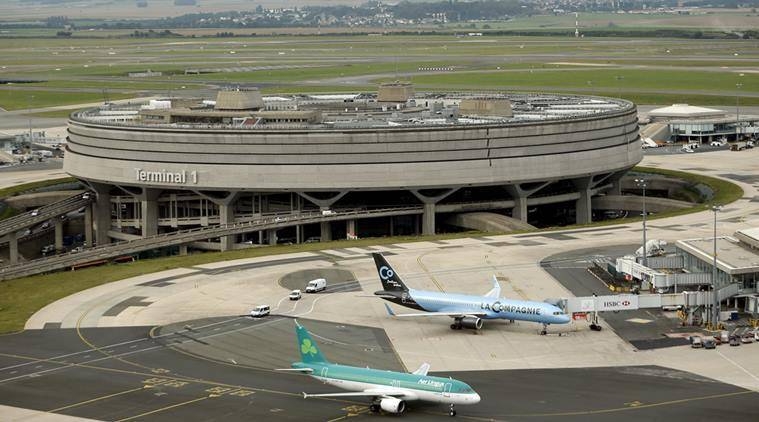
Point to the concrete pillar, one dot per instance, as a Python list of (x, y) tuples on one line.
[(519, 194), (392, 226), (149, 221), (271, 234), (260, 237), (428, 216), (298, 235), (583, 207), (13, 248), (350, 229), (87, 228), (227, 216), (326, 231), (102, 220), (428, 219), (59, 234), (183, 250)]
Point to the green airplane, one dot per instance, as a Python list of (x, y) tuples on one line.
[(389, 390)]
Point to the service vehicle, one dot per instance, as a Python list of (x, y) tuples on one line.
[(696, 342), (295, 295), (709, 343), (747, 338), (734, 341), (316, 285), (260, 311)]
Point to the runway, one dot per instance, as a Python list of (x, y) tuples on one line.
[(222, 369)]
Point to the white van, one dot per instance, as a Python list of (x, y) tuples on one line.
[(316, 285), (260, 311)]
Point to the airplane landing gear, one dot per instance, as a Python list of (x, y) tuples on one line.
[(452, 411), (375, 406), (544, 331), (594, 326), (456, 324)]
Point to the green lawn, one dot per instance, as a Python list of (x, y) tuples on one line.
[(12, 99), (593, 78)]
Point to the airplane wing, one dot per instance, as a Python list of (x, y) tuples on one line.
[(495, 292), (452, 314), (303, 370), (422, 369), (373, 392)]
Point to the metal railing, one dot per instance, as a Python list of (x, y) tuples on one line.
[(181, 237)]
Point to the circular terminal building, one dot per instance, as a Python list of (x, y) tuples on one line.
[(424, 159)]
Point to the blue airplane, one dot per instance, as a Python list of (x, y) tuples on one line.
[(467, 311), (389, 390)]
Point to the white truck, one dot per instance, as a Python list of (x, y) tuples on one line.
[(316, 285)]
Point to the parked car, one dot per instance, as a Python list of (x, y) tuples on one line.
[(295, 295), (747, 338), (260, 311), (35, 212), (696, 342), (717, 144), (717, 340), (756, 335), (686, 149), (724, 336), (709, 343), (734, 341)]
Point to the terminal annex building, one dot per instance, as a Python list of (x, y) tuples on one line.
[(423, 158)]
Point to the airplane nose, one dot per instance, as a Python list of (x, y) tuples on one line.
[(475, 398)]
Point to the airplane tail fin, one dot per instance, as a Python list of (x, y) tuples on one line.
[(309, 350), (391, 281)]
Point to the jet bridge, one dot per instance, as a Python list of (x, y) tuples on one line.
[(588, 307)]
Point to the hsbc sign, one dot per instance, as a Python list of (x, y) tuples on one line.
[(609, 303)]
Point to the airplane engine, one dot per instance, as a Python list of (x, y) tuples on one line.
[(471, 322), (393, 405)]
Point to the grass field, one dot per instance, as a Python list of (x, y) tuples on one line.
[(21, 99)]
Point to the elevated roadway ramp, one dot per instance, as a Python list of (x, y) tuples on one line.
[(28, 219), (635, 203), (40, 199), (488, 222), (657, 131), (103, 253)]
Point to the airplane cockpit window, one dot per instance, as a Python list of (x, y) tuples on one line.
[(558, 313)]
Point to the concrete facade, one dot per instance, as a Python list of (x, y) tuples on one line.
[(522, 154)]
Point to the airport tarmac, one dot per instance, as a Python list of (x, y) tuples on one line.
[(579, 375), (191, 372)]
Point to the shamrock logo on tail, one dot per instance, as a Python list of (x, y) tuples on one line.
[(307, 348)]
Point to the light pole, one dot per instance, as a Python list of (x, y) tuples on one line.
[(715, 304), (737, 112), (641, 183)]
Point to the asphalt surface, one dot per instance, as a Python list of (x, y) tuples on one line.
[(222, 369), (645, 328)]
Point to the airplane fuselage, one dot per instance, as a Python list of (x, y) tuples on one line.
[(412, 386), (485, 306)]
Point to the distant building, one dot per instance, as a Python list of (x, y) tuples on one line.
[(147, 74), (687, 123)]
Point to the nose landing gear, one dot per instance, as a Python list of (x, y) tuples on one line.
[(452, 411)]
